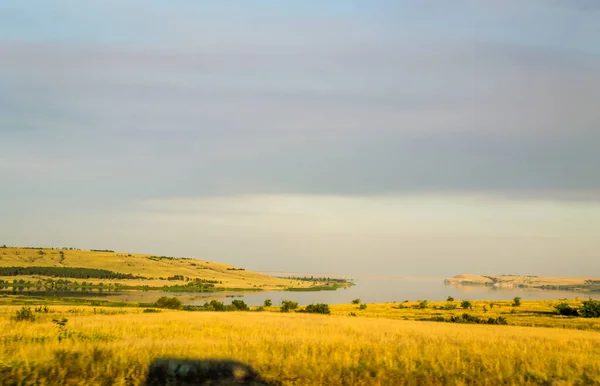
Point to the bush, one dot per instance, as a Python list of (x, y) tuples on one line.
[(239, 305), (450, 299), (24, 315), (516, 302), (43, 309), (288, 305), (150, 310), (466, 304), (268, 303), (590, 309), (471, 319), (352, 314), (319, 308), (260, 309), (170, 303), (356, 301), (450, 306), (423, 304), (215, 305), (564, 309), (362, 307)]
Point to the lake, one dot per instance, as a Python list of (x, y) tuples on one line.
[(370, 289)]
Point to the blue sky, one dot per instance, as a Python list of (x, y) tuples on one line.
[(123, 116)]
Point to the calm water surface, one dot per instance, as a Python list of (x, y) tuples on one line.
[(368, 288)]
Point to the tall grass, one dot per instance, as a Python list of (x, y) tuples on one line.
[(116, 348)]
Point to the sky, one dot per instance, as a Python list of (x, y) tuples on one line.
[(426, 138)]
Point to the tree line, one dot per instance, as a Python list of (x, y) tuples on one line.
[(72, 272)]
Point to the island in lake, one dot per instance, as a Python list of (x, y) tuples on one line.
[(516, 281)]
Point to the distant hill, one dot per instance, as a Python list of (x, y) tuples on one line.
[(149, 269), (516, 281)]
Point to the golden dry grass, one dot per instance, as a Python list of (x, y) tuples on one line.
[(115, 346), (141, 264)]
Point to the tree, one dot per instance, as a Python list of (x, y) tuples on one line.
[(268, 303), (466, 304), (450, 299), (356, 301), (517, 302)]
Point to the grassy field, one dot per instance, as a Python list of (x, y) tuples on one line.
[(111, 345), (531, 313), (151, 267)]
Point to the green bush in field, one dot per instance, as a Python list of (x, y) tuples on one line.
[(362, 307), (516, 302), (465, 304), (564, 309), (450, 299), (450, 306), (319, 308), (24, 315), (170, 303), (423, 304), (356, 301), (268, 303), (288, 305), (239, 305), (590, 309)]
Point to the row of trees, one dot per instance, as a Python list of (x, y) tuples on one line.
[(71, 272)]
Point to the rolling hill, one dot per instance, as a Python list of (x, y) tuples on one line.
[(150, 270)]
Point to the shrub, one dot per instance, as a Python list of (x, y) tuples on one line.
[(150, 310), (516, 302), (450, 299), (215, 305), (450, 306), (352, 314), (466, 304), (471, 319), (356, 301), (239, 305), (170, 303), (564, 309), (590, 309), (24, 315), (362, 307), (288, 305), (268, 303), (423, 304), (260, 309), (319, 308), (43, 309)]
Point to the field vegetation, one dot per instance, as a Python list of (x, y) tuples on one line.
[(66, 342)]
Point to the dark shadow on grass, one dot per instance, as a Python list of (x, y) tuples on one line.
[(196, 372)]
